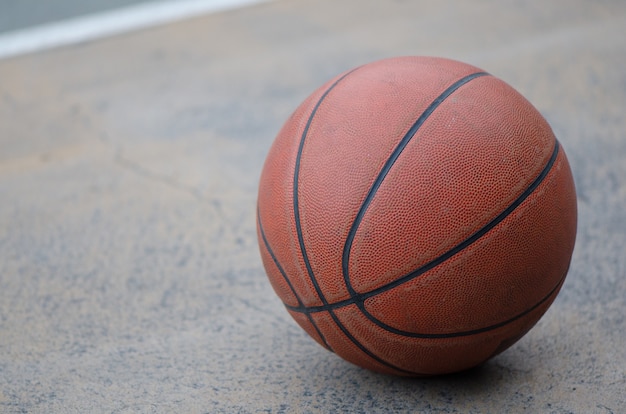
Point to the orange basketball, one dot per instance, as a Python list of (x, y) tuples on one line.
[(416, 216)]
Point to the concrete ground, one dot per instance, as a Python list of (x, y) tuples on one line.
[(130, 279)]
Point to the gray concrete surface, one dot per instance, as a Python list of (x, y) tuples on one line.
[(129, 274)]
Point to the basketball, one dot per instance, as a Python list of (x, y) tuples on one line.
[(416, 216)]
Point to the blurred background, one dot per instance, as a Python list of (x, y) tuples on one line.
[(19, 14)]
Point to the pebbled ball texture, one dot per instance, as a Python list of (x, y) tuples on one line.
[(416, 216)]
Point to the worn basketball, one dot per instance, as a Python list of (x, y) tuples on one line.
[(416, 216)]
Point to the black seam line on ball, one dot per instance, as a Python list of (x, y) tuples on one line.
[(472, 331), (296, 208), (387, 167), (284, 275), (296, 177), (360, 298), (479, 330)]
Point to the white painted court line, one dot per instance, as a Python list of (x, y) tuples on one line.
[(109, 23)]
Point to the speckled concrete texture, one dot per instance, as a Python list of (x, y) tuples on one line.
[(130, 279)]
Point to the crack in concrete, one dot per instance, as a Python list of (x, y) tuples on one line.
[(136, 168)]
